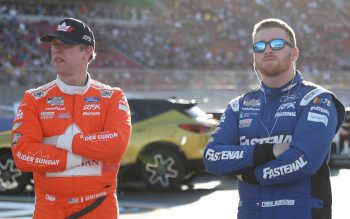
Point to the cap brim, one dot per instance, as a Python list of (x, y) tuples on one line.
[(51, 36)]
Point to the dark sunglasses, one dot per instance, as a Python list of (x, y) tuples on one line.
[(275, 44)]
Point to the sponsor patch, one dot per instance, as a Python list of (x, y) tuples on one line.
[(55, 101), (320, 109), (286, 114), (325, 101), (55, 108), (287, 106), (247, 115), (19, 114), (235, 104), (91, 99), (123, 107), (106, 93), (100, 137), (270, 140), (64, 115), (50, 198), (37, 158), (244, 123), (277, 203), (285, 169), (311, 95), (316, 100), (92, 107), (15, 138), (315, 117), (250, 109), (47, 115), (251, 102), (16, 125), (73, 200), (91, 113), (289, 98), (211, 155), (123, 98), (38, 94)]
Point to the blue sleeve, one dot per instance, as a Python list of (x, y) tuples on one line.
[(312, 138), (223, 154)]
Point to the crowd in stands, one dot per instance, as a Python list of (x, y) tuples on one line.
[(174, 34)]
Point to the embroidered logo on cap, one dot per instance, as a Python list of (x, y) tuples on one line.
[(65, 28)]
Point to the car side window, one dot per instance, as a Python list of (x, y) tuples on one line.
[(141, 110)]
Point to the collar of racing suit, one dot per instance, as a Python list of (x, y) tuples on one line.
[(65, 88), (274, 91)]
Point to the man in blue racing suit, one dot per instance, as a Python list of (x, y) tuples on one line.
[(276, 139)]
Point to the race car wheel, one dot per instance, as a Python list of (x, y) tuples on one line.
[(12, 180), (162, 169)]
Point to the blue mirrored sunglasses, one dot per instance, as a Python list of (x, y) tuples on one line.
[(275, 44)]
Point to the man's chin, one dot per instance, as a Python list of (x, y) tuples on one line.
[(269, 72)]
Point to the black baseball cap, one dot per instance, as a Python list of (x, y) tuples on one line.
[(71, 31)]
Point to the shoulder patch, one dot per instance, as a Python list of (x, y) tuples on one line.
[(41, 91), (106, 93), (311, 95), (235, 104), (39, 94)]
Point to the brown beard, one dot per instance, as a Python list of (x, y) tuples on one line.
[(275, 68)]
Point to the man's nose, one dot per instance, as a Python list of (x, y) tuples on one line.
[(268, 48)]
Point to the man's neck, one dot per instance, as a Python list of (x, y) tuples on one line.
[(74, 80), (279, 80)]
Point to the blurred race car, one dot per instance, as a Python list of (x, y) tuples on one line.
[(340, 154), (166, 147)]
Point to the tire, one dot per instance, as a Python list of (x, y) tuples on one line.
[(162, 169), (12, 180)]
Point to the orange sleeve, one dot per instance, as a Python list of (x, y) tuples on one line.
[(29, 153), (111, 144)]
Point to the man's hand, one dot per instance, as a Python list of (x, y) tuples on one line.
[(65, 141), (279, 149)]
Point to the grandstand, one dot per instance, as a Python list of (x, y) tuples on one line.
[(173, 45)]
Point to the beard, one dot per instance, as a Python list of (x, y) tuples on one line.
[(275, 67)]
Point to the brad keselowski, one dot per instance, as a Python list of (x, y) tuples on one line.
[(72, 139), (296, 183)]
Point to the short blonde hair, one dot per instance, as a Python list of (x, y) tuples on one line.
[(275, 22), (93, 55)]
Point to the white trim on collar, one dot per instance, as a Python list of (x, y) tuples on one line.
[(73, 89)]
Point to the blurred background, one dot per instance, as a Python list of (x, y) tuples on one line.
[(194, 49)]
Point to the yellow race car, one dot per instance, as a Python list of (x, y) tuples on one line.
[(166, 147), (167, 142)]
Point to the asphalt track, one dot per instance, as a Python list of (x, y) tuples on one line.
[(210, 197)]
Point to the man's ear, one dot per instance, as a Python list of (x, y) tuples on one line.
[(295, 53)]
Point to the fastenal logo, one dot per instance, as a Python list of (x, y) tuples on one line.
[(286, 169), (211, 155), (271, 140)]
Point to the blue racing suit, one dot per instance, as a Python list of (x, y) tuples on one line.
[(295, 184)]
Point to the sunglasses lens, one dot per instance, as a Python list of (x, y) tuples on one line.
[(277, 44), (259, 47)]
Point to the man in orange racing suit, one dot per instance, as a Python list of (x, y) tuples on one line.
[(72, 132)]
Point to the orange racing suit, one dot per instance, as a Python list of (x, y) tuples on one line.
[(72, 139)]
